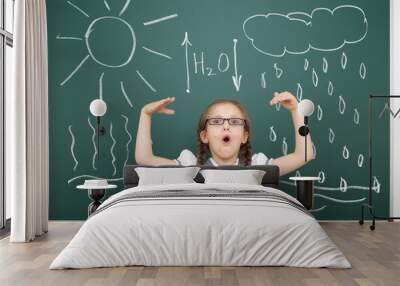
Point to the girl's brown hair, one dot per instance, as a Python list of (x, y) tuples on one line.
[(202, 148)]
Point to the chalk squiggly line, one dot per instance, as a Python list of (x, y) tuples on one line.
[(93, 177), (112, 150), (340, 201), (375, 188), (263, 81), (72, 147), (319, 209), (94, 144), (130, 138)]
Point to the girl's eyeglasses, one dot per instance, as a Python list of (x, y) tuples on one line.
[(231, 121)]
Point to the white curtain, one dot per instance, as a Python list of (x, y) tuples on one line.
[(27, 124)]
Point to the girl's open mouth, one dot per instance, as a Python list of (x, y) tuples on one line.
[(226, 139)]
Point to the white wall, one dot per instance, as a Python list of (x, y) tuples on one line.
[(395, 104)]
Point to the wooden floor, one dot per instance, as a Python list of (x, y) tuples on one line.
[(374, 255)]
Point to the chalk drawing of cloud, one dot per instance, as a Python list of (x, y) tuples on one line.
[(276, 34)]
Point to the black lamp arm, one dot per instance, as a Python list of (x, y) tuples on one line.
[(303, 131), (100, 131)]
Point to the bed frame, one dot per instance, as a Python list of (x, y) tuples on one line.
[(270, 179)]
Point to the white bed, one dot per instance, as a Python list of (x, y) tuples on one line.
[(183, 230)]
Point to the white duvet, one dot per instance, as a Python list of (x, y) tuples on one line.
[(200, 231)]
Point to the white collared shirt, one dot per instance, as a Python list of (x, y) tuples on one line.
[(215, 163)]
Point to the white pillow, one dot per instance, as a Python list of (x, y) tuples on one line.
[(162, 175), (249, 177)]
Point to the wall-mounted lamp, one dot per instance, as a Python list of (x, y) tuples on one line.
[(98, 108), (305, 108)]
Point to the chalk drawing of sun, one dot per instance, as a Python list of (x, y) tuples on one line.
[(118, 44)]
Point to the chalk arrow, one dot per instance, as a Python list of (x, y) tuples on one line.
[(236, 79), (187, 43)]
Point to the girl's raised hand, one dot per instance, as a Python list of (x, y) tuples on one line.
[(159, 106), (288, 100)]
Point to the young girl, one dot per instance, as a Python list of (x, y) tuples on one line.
[(223, 132)]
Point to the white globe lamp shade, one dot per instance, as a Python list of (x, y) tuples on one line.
[(98, 107), (306, 107)]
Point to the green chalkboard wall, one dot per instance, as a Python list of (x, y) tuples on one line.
[(130, 53)]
